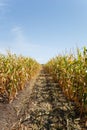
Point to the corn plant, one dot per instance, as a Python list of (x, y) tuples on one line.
[(70, 71), (15, 71)]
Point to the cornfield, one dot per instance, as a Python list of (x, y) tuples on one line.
[(15, 71), (70, 71)]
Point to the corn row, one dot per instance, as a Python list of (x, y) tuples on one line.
[(15, 71), (71, 73)]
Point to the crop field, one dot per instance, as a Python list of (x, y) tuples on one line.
[(56, 97), (70, 71), (15, 71)]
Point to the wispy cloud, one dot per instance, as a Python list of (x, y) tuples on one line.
[(21, 45), (4, 4), (18, 35)]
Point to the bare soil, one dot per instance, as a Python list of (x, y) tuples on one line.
[(40, 106)]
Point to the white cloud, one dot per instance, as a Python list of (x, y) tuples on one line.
[(3, 5), (16, 29), (4, 8), (18, 34), (21, 45)]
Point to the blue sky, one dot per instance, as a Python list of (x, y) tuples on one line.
[(42, 29)]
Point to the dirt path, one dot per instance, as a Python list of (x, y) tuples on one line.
[(41, 107)]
